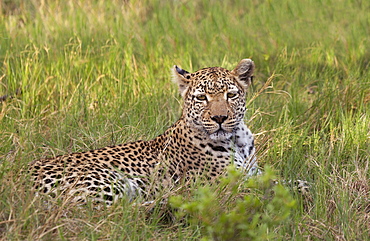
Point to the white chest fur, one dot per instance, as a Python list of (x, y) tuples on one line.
[(245, 150)]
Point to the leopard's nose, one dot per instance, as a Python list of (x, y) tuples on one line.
[(219, 119)]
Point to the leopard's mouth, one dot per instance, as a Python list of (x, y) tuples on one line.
[(215, 129), (224, 128), (219, 129)]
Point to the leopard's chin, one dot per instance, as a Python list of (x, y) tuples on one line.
[(220, 135)]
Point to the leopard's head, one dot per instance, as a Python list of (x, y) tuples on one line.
[(214, 98)]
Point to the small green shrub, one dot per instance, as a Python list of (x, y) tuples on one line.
[(233, 210)]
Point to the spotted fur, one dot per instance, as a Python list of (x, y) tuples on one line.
[(209, 136)]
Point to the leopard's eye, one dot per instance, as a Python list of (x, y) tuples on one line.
[(201, 97), (231, 95)]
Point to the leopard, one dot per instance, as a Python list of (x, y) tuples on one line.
[(210, 135)]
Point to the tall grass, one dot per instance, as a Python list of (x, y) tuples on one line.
[(84, 74)]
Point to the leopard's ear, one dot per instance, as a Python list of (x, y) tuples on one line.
[(244, 72), (182, 78)]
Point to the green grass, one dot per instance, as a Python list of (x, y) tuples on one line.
[(85, 74)]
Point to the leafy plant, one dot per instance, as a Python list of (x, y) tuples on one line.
[(249, 210)]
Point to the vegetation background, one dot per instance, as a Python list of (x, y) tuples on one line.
[(77, 75)]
